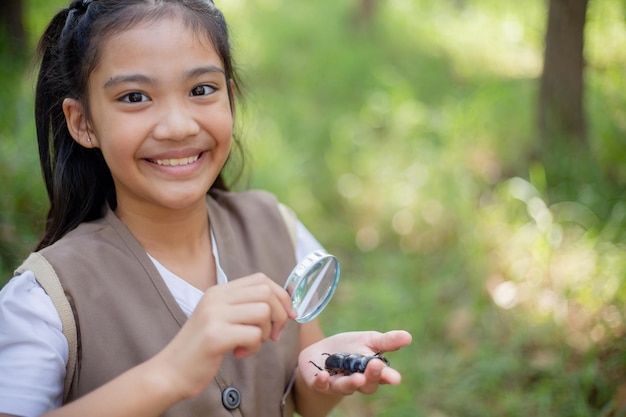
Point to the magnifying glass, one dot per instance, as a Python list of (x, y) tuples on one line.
[(312, 284)]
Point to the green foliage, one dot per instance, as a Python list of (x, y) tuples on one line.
[(405, 143), (24, 200)]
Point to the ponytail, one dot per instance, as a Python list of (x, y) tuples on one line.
[(77, 179)]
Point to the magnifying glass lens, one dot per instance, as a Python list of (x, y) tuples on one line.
[(312, 284)]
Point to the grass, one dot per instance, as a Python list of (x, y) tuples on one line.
[(402, 143)]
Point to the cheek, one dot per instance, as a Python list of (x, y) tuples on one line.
[(221, 127), (116, 145)]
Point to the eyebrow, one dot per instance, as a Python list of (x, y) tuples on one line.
[(194, 73), (144, 79)]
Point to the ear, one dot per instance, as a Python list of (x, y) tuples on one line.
[(77, 123)]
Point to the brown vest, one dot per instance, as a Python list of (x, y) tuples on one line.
[(125, 313)]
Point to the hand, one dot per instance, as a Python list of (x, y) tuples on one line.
[(238, 317), (365, 343)]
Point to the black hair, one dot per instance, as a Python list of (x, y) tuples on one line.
[(77, 179)]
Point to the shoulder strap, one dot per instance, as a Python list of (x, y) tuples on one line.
[(49, 281), (291, 221)]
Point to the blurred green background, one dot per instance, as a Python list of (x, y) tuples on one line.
[(403, 136)]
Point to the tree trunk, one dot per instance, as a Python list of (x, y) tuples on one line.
[(12, 25), (561, 112), (364, 14)]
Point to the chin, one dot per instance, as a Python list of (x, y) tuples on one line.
[(178, 201)]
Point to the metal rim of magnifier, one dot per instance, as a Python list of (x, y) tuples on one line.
[(303, 269)]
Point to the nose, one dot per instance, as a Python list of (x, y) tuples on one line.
[(176, 121)]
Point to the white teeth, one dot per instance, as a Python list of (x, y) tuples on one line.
[(177, 162)]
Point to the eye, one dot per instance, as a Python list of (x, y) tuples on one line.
[(134, 97), (201, 90)]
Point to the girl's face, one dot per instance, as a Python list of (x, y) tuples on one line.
[(160, 113)]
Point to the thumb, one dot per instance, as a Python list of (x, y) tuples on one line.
[(391, 341)]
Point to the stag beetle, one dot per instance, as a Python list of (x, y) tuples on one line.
[(348, 363)]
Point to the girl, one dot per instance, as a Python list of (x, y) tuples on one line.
[(170, 277)]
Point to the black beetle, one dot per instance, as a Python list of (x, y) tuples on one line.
[(348, 363)]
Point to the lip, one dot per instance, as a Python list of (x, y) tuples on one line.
[(176, 154)]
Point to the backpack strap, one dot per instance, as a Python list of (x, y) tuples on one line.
[(49, 281), (291, 221)]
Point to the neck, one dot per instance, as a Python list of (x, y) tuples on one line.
[(164, 228), (178, 239)]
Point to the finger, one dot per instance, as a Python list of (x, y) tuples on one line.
[(391, 341), (390, 376), (280, 304), (282, 309), (376, 374), (241, 352), (284, 299), (373, 373), (347, 385), (321, 381), (253, 281), (247, 340), (252, 314), (259, 288)]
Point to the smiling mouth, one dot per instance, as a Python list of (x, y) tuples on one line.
[(176, 162)]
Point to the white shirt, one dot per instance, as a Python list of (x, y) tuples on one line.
[(33, 350)]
